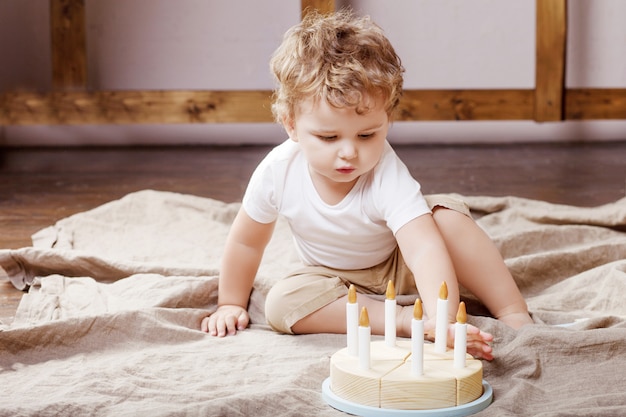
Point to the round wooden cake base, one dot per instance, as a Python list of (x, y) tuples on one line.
[(470, 408)]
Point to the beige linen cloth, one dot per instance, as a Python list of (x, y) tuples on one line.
[(110, 323)]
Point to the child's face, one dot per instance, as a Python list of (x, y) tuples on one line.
[(339, 144)]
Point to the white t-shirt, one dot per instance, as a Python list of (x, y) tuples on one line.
[(356, 233)]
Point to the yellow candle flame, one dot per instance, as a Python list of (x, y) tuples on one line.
[(391, 291), (418, 311), (364, 319), (461, 315), (443, 291), (352, 294)]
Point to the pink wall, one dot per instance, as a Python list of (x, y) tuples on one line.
[(212, 44)]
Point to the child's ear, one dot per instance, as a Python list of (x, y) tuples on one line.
[(290, 128)]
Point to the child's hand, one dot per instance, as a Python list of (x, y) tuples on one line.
[(477, 340), (227, 320)]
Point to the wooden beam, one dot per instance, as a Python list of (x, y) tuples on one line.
[(595, 103), (174, 106), (465, 105), (322, 6), (253, 106), (551, 34), (127, 107), (69, 46)]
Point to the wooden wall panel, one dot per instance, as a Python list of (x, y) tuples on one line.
[(69, 103), (595, 103), (69, 45), (551, 33), (322, 6), (125, 107), (466, 105)]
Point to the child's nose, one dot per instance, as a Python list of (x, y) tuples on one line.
[(347, 150)]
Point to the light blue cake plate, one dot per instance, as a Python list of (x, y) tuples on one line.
[(473, 407)]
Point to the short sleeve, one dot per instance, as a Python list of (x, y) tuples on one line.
[(396, 194), (262, 198)]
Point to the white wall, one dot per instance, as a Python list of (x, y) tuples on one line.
[(213, 44)]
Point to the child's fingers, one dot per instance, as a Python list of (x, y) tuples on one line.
[(225, 322), (475, 331), (204, 325), (243, 321), (230, 324), (477, 342)]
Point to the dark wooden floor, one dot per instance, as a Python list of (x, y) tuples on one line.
[(40, 186)]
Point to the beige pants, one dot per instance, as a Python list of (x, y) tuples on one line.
[(310, 288)]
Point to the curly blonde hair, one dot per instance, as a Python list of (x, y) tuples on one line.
[(338, 57)]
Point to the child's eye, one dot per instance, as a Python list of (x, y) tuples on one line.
[(366, 135), (326, 138)]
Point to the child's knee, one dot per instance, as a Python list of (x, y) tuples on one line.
[(294, 298), (275, 311)]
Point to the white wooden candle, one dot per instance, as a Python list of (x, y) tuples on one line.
[(352, 322), (460, 337), (390, 315), (365, 336), (441, 322), (417, 340)]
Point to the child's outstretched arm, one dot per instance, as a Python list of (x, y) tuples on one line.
[(426, 255), (244, 249)]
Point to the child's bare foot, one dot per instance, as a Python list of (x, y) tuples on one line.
[(403, 319), (516, 320)]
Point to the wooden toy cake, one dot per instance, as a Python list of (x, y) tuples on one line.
[(405, 375)]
